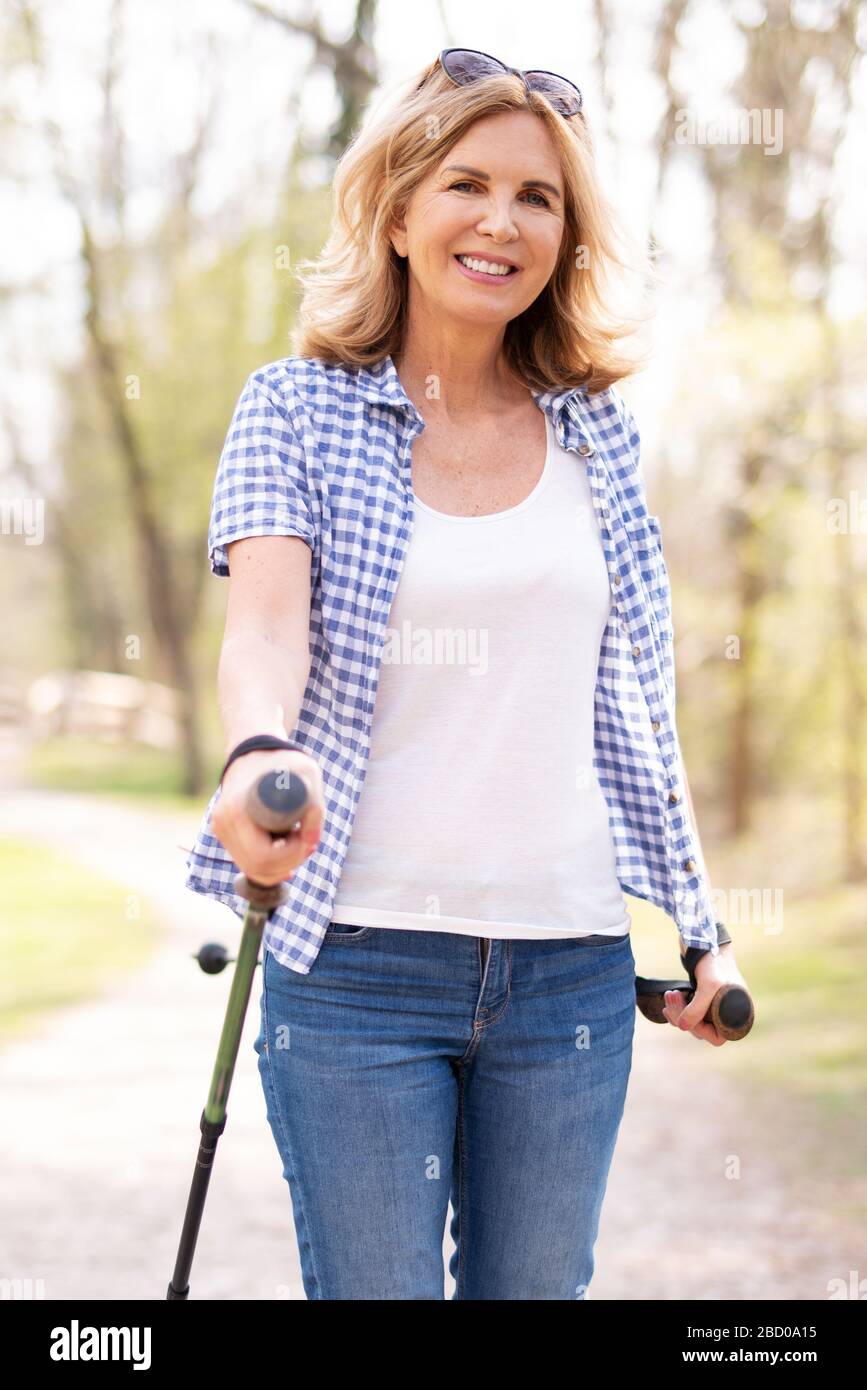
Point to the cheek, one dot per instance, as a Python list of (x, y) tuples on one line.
[(549, 258), (553, 242)]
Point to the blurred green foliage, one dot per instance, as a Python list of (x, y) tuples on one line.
[(65, 935)]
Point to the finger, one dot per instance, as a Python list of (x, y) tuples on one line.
[(705, 1032), (695, 1011), (270, 862), (306, 838), (311, 826), (674, 1005), (679, 1014), (669, 1006)]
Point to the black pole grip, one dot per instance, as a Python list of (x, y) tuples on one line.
[(278, 801), (731, 1010)]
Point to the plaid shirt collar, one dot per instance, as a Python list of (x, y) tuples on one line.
[(381, 385)]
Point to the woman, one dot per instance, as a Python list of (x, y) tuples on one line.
[(447, 591)]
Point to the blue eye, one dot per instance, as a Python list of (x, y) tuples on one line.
[(467, 183)]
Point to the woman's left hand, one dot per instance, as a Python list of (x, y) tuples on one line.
[(710, 973)]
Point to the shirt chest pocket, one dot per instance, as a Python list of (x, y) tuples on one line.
[(645, 538)]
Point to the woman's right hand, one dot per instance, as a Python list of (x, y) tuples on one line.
[(252, 848)]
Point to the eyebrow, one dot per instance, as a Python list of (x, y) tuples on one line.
[(478, 174)]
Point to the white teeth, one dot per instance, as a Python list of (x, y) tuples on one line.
[(487, 266)]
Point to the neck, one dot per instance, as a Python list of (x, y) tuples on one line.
[(457, 374)]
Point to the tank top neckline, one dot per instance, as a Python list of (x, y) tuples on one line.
[(509, 511)]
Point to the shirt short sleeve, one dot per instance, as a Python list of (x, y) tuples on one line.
[(261, 486)]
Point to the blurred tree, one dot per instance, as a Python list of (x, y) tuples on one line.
[(351, 61), (798, 65), (172, 327)]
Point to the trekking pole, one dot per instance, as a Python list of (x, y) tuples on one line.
[(730, 1011), (276, 803)]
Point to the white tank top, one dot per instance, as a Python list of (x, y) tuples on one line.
[(480, 811)]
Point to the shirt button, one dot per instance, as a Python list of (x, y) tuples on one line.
[(673, 798), (655, 726), (636, 651), (585, 449), (616, 578), (689, 865)]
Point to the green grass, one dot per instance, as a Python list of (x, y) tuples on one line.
[(66, 934), (802, 1070), (811, 980), (170, 804), (81, 764), (801, 1073)]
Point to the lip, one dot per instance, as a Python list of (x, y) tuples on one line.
[(479, 275)]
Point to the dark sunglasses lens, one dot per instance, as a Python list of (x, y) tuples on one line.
[(466, 65), (561, 94)]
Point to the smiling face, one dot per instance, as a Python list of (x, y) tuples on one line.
[(496, 198)]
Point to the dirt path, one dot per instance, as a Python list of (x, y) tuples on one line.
[(101, 1113)]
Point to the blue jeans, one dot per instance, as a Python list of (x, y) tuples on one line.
[(408, 1068)]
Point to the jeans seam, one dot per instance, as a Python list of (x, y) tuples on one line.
[(462, 1202), (485, 1023), (287, 1146)]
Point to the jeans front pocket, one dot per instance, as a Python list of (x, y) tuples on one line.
[(345, 932), (600, 940)]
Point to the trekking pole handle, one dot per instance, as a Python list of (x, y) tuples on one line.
[(731, 1011), (276, 802)]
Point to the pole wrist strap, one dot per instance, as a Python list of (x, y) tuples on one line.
[(250, 745), (693, 954)]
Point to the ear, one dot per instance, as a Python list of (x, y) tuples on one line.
[(398, 238)]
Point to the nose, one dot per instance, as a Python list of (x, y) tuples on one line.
[(497, 221)]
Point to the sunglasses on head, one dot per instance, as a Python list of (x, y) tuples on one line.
[(465, 65)]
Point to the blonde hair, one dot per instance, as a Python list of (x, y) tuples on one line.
[(354, 293)]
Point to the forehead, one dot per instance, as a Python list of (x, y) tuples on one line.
[(505, 142)]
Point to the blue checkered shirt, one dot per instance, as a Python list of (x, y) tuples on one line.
[(324, 452)]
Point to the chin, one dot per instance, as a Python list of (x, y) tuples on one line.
[(468, 308)]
